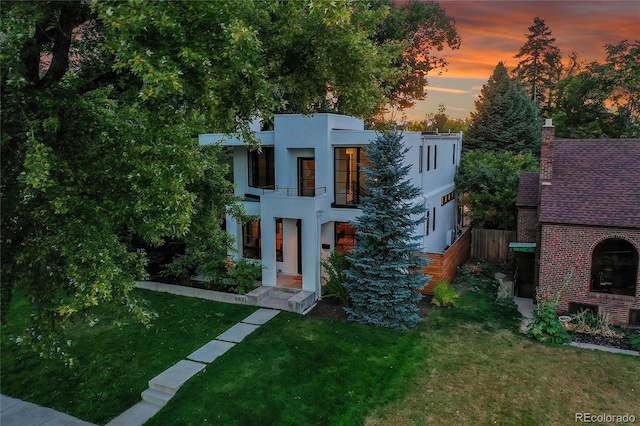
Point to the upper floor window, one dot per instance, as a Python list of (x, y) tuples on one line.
[(349, 180), (614, 267), (420, 159), (435, 156), (261, 168)]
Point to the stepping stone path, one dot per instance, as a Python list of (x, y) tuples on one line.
[(165, 385)]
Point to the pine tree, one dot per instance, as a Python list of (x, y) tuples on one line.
[(385, 266), (541, 65), (505, 118)]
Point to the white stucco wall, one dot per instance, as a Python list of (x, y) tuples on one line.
[(298, 136)]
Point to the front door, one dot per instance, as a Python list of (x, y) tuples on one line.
[(306, 177)]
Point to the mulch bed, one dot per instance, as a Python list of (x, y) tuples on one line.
[(612, 342), (330, 308)]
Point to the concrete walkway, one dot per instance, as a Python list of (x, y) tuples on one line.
[(14, 412), (525, 306), (162, 388)]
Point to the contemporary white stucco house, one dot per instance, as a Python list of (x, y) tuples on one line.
[(305, 186)]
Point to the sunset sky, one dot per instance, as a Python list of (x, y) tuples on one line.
[(494, 31)]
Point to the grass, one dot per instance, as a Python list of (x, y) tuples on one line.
[(114, 362), (462, 365)]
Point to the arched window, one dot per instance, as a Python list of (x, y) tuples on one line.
[(614, 267)]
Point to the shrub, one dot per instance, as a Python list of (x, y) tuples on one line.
[(444, 294), (243, 274), (634, 340), (545, 326), (335, 266)]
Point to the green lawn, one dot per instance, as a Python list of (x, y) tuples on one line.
[(463, 365), (114, 363)]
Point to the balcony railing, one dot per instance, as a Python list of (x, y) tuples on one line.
[(295, 192)]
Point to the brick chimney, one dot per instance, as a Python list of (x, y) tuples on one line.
[(546, 152)]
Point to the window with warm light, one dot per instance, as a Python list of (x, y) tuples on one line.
[(349, 180)]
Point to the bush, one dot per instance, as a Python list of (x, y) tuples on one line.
[(335, 266), (545, 326), (243, 273), (634, 340), (444, 294)]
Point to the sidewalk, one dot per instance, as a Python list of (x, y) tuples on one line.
[(14, 412)]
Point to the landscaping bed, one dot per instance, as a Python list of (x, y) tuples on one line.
[(594, 339)]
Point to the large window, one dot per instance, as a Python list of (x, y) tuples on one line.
[(261, 168), (614, 267), (251, 245), (345, 237), (349, 182)]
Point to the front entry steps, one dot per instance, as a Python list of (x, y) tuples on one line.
[(286, 299)]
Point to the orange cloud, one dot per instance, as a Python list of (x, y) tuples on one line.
[(494, 31)]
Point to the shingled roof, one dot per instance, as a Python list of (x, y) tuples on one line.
[(528, 189), (594, 182)]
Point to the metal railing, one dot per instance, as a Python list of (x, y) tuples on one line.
[(296, 192)]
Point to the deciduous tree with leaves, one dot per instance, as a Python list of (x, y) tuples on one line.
[(102, 104), (488, 182)]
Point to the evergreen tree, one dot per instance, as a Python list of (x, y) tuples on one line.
[(385, 266), (541, 64), (505, 118)]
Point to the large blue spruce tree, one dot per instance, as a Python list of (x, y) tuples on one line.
[(386, 265)]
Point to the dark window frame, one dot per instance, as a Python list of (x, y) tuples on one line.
[(261, 168), (251, 240), (348, 234), (614, 267), (279, 240), (435, 157), (355, 186)]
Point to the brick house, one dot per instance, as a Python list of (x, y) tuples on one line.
[(582, 211)]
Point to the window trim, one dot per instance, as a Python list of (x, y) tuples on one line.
[(253, 166), (358, 174), (245, 239)]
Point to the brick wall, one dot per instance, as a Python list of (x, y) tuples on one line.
[(527, 225), (560, 250), (443, 265)]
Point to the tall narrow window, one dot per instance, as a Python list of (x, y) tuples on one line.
[(454, 154), (420, 159), (428, 157), (261, 168), (435, 156), (348, 178), (251, 244), (426, 223), (434, 219), (279, 240)]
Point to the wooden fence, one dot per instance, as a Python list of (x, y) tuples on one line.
[(443, 265), (491, 245)]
